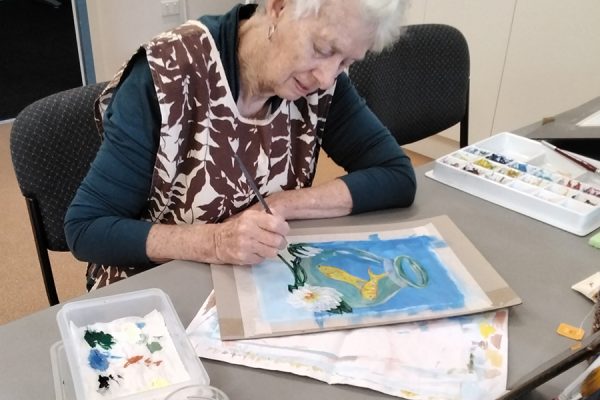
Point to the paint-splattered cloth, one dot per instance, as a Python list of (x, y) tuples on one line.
[(464, 358)]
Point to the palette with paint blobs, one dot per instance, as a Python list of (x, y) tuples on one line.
[(127, 346), (525, 176)]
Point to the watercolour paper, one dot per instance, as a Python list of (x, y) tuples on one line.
[(335, 278), (447, 359)]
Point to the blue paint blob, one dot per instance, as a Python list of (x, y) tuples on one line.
[(140, 324), (98, 360)]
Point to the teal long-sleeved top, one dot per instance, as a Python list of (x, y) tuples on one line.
[(103, 224)]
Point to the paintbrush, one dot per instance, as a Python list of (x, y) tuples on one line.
[(555, 366), (576, 160), (252, 184)]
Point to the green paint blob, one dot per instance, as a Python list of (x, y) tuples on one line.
[(154, 346), (99, 338)]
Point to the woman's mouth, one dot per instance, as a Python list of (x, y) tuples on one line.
[(301, 88)]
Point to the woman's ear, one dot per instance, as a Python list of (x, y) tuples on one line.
[(275, 7)]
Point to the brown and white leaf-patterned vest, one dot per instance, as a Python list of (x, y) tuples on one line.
[(196, 178)]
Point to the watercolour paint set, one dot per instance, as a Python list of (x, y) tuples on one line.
[(130, 346), (525, 176)]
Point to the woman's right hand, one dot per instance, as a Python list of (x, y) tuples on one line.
[(250, 237), (246, 238)]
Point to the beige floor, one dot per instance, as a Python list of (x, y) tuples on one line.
[(21, 287)]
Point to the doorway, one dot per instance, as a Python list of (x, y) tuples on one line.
[(38, 52)]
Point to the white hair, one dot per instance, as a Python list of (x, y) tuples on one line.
[(385, 15)]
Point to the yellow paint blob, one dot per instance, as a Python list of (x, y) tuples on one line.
[(486, 329), (159, 383), (494, 357), (408, 394), (132, 333)]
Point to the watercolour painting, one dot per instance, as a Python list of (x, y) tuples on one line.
[(337, 278)]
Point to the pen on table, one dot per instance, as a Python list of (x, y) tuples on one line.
[(576, 160), (252, 184)]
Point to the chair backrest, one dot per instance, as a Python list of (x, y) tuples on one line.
[(420, 86), (53, 142)]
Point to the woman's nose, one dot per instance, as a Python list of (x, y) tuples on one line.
[(326, 72)]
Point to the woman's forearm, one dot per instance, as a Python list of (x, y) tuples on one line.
[(331, 199), (185, 242)]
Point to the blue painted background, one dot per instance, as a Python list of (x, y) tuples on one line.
[(442, 293)]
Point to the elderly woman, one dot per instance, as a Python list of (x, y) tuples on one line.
[(265, 83)]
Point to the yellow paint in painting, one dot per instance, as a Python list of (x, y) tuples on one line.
[(340, 275), (369, 290), (486, 329), (310, 297), (494, 357)]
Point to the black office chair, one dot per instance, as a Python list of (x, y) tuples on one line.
[(52, 143), (420, 86)]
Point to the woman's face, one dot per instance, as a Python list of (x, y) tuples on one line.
[(308, 54)]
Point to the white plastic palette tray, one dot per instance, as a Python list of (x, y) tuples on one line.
[(525, 176), (63, 383), (67, 356)]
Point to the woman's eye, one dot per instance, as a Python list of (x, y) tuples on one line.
[(320, 51)]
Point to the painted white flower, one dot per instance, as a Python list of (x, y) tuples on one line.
[(306, 252), (315, 298)]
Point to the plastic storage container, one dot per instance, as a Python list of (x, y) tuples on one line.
[(133, 304), (525, 176), (63, 384)]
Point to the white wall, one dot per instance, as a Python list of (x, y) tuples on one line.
[(197, 8), (118, 27), (553, 61), (529, 58)]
